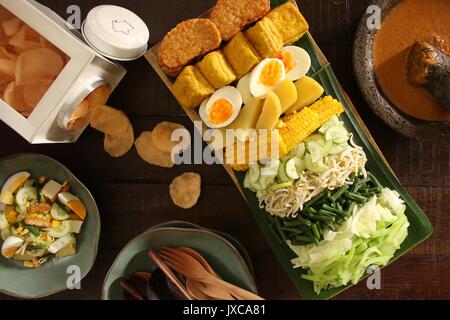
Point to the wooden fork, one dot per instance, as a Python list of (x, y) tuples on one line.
[(189, 267)]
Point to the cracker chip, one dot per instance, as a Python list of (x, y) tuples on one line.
[(35, 65), (185, 190), (11, 26), (118, 145), (79, 118), (8, 68), (34, 92), (162, 137), (5, 54), (13, 96), (108, 120), (149, 153), (99, 95)]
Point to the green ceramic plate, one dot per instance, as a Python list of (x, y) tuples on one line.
[(17, 281), (222, 256), (232, 240)]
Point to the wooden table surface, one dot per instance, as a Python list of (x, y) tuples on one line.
[(133, 196)]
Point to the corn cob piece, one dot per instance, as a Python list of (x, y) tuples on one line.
[(326, 108), (301, 125), (262, 145)]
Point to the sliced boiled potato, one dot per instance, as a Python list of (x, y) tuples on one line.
[(36, 65), (308, 90), (271, 112), (246, 120), (287, 93)]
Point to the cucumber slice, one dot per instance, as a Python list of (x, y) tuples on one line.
[(333, 122), (299, 165), (281, 186), (290, 169), (300, 150), (60, 231), (326, 148), (266, 181), (271, 168), (282, 177), (253, 173), (337, 135), (337, 149), (316, 138), (62, 242), (7, 197), (59, 213), (26, 197), (3, 222), (315, 151), (317, 167)]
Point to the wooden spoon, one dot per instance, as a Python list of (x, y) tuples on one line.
[(186, 265), (164, 268)]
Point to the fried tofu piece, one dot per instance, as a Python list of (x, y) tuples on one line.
[(232, 15), (216, 69), (265, 37), (188, 40), (241, 55), (289, 22), (191, 87)]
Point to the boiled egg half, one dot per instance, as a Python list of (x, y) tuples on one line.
[(11, 185), (296, 61), (266, 76), (222, 108), (10, 246), (73, 203)]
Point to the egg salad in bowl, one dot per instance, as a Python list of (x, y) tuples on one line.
[(39, 218)]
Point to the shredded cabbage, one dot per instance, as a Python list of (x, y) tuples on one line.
[(369, 237)]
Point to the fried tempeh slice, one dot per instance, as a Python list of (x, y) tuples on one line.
[(231, 16), (188, 40)]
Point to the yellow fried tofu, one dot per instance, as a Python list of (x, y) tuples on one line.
[(289, 22), (265, 37), (216, 69), (241, 55), (191, 87)]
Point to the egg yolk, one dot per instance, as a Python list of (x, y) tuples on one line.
[(220, 111), (271, 73), (287, 58)]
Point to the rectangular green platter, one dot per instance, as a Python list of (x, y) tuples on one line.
[(420, 227)]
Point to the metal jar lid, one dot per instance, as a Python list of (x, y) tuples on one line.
[(116, 33)]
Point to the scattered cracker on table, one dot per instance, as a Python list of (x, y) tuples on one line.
[(185, 190), (232, 15), (118, 145), (109, 120), (188, 40), (149, 153), (162, 137)]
